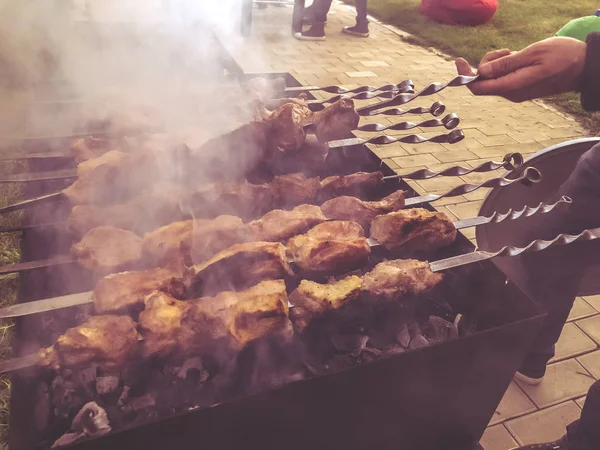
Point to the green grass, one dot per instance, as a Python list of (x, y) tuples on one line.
[(9, 286), (517, 23)]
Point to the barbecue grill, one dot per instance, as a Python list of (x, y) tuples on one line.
[(437, 397)]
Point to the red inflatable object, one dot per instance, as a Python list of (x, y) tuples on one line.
[(460, 12)]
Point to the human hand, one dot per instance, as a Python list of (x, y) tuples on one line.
[(548, 67)]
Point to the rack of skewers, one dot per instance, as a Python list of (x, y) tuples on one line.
[(165, 278)]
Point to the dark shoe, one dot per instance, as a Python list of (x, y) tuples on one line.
[(561, 444), (357, 30), (528, 379), (315, 33), (309, 16)]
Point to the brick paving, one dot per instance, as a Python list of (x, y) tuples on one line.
[(493, 127)]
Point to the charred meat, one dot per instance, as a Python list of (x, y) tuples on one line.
[(413, 230), (294, 189), (279, 225), (359, 184), (213, 236), (286, 126), (360, 211), (125, 291), (336, 121), (395, 278), (90, 147), (313, 300), (108, 249), (331, 247), (110, 341), (241, 266)]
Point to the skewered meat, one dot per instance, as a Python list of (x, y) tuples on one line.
[(112, 158), (233, 154), (312, 300), (90, 147), (357, 184), (336, 121), (113, 179), (295, 189), (250, 314), (108, 249), (170, 326), (412, 230), (162, 328), (141, 214), (286, 126), (161, 244), (210, 237), (334, 246), (241, 266), (110, 341), (241, 199), (279, 225), (126, 290), (395, 278), (360, 211)]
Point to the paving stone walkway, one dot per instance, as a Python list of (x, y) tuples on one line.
[(493, 127)]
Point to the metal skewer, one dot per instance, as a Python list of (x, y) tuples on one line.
[(453, 137)]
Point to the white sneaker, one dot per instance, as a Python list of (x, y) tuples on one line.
[(528, 380)]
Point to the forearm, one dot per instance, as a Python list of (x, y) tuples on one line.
[(590, 78)]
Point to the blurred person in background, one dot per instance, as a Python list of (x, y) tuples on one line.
[(549, 67), (316, 16)]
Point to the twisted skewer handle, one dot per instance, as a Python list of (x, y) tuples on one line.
[(530, 176), (526, 211), (364, 96), (510, 161), (436, 109), (406, 84), (402, 99), (537, 245), (451, 138), (449, 121)]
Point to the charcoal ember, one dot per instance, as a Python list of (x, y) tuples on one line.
[(352, 343), (440, 330), (465, 325), (123, 397), (417, 342), (393, 349), (88, 375), (42, 407), (403, 335), (139, 403), (193, 368), (107, 384), (67, 398), (91, 420)]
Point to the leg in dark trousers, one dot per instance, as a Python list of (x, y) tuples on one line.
[(554, 275), (361, 11), (321, 10)]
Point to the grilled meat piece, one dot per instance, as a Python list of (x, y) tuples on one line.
[(141, 214), (110, 341), (312, 300), (336, 121), (360, 211), (125, 291), (163, 243), (259, 311), (90, 147), (395, 278), (231, 320), (232, 155), (358, 184), (286, 126), (279, 225), (113, 178), (241, 266), (241, 199), (412, 230), (212, 236), (108, 249), (331, 247), (294, 189)]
